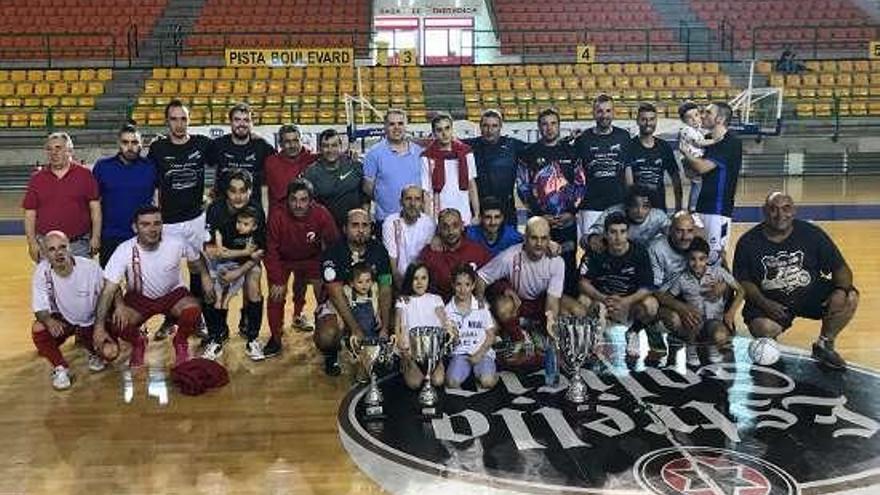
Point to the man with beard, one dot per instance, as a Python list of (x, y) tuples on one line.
[(790, 268), (297, 238), (719, 171), (405, 234), (602, 153), (62, 196), (281, 169), (449, 172), (126, 182), (493, 232), (391, 165), (221, 219), (336, 178), (150, 264), (455, 249), (64, 292), (181, 159), (650, 159), (495, 157), (241, 150), (551, 182), (620, 280), (645, 221), (335, 317)]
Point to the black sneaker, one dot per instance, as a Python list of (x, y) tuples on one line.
[(827, 356), (331, 365), (272, 348)]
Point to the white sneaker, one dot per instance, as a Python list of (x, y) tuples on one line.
[(255, 350), (633, 348), (60, 378), (96, 363), (212, 351), (303, 324), (693, 356), (714, 355)]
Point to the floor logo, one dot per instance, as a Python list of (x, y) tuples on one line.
[(730, 428)]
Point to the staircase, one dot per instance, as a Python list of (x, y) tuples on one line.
[(699, 43), (111, 108), (442, 88), (163, 45)]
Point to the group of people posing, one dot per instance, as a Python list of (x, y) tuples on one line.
[(419, 233)]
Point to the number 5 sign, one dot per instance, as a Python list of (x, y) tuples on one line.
[(586, 54)]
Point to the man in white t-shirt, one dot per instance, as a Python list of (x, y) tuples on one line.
[(150, 264), (404, 234), (449, 173), (64, 293)]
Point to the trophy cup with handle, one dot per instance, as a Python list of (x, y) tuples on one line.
[(370, 351), (576, 339), (428, 346)]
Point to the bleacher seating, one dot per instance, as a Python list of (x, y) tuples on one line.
[(29, 96), (280, 23), (40, 29), (311, 95), (856, 83), (832, 23), (521, 91), (557, 26)]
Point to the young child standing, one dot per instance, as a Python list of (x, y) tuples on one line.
[(716, 325), (361, 298), (416, 307), (692, 139), (476, 333)]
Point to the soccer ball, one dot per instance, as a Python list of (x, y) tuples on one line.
[(764, 351)]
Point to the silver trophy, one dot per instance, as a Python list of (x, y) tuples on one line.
[(427, 346), (368, 352), (576, 337)]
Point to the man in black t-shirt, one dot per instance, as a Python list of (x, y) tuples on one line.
[(719, 168), (621, 280), (791, 268), (180, 159), (241, 150), (335, 312), (649, 159), (551, 183), (602, 152), (495, 156)]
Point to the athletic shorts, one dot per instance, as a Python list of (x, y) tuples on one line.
[(717, 229), (222, 289), (83, 335), (811, 306), (308, 269), (459, 368), (148, 307), (192, 232)]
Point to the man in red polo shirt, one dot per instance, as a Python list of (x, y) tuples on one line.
[(296, 239), (63, 196), (455, 249)]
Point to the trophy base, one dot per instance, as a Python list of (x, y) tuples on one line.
[(374, 412), (430, 413), (577, 409)]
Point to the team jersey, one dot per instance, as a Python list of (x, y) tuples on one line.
[(549, 179), (719, 184), (649, 166), (181, 176), (603, 158), (496, 170), (531, 279), (153, 273), (337, 188), (337, 261), (295, 239), (219, 218), (619, 275), (74, 297), (472, 326), (405, 241), (250, 157)]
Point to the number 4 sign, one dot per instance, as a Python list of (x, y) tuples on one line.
[(586, 54), (874, 49)]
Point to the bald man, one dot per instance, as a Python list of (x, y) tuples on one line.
[(406, 233), (784, 265), (65, 291)]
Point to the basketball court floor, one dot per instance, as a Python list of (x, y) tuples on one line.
[(282, 427)]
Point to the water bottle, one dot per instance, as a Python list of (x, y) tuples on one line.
[(551, 367)]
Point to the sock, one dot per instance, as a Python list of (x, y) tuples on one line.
[(47, 347), (275, 315), (212, 321), (195, 286), (332, 356), (222, 317), (242, 319), (254, 310), (186, 323), (299, 294), (85, 339)]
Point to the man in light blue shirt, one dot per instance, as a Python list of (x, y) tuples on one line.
[(391, 165)]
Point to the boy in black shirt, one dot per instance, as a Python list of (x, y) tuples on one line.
[(620, 280), (791, 268)]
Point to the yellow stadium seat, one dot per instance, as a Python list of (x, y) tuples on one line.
[(158, 73), (826, 79), (656, 82), (206, 86), (614, 69), (842, 91), (161, 101), (272, 101), (467, 71), (413, 72), (240, 87), (50, 101), (192, 73), (683, 94), (630, 95), (860, 92), (813, 65), (18, 76), (34, 76), (792, 80), (647, 69), (858, 108), (155, 118), (88, 75), (559, 96), (588, 83), (707, 82), (828, 66), (548, 70), (104, 74), (169, 87), (605, 83), (648, 95), (844, 79), (700, 94), (689, 81), (221, 87), (622, 82), (862, 66), (822, 109), (631, 69), (37, 119), (18, 119), (825, 93), (263, 73), (24, 89), (4, 76), (639, 82), (663, 68), (258, 86), (680, 68), (187, 87), (553, 82), (718, 94), (228, 73), (244, 72), (11, 102), (874, 108), (42, 89), (673, 82), (844, 66), (31, 102), (176, 73), (95, 88)]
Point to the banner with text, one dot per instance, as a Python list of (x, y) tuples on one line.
[(286, 57)]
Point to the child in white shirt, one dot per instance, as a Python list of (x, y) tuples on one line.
[(416, 307), (476, 333), (692, 140)]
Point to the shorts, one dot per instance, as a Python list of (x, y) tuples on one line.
[(326, 310), (81, 334), (811, 305), (585, 220), (148, 307), (223, 290), (308, 269), (459, 368), (717, 229), (192, 232)]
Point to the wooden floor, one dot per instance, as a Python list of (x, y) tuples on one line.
[(271, 430)]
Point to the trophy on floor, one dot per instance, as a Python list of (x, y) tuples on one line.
[(368, 352), (428, 346), (576, 337)]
